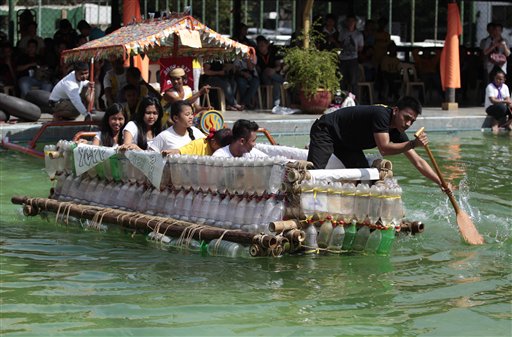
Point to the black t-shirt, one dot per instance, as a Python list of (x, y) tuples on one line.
[(352, 128)]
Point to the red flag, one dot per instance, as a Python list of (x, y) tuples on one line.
[(450, 66)]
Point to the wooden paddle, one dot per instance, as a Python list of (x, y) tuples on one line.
[(466, 227)]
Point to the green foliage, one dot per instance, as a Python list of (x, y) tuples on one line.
[(310, 69)]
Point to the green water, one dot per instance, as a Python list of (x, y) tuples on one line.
[(66, 281)]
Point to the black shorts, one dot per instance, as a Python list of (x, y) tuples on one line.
[(322, 145), (498, 111)]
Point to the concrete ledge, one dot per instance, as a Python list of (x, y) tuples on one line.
[(433, 119)]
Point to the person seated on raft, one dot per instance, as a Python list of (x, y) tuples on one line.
[(111, 127), (204, 146), (498, 104), (141, 132), (181, 133), (243, 141), (181, 92)]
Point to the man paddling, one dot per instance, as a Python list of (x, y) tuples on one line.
[(348, 131)]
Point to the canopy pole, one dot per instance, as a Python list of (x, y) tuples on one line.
[(413, 20), (390, 23), (436, 20)]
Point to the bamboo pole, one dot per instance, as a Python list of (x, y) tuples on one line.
[(137, 221)]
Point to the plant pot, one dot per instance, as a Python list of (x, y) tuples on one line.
[(315, 104)]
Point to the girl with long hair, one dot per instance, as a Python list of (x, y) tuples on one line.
[(147, 124), (181, 133), (112, 124)]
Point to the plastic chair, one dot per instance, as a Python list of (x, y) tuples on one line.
[(411, 80), (220, 97), (154, 76), (363, 83)]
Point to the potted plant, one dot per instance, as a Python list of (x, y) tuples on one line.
[(314, 73)]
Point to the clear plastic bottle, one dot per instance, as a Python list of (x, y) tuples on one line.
[(307, 200), (187, 206), (230, 214), (213, 209), (373, 241), (152, 204), (325, 232), (227, 248), (204, 211), (50, 163), (311, 237), (66, 185), (193, 246), (337, 237), (220, 217), (350, 234), (178, 204), (88, 194), (361, 238), (362, 202), (240, 214), (375, 203), (196, 206), (347, 203), (97, 193), (321, 208), (165, 203)]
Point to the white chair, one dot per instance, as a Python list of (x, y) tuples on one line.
[(363, 83), (411, 80), (154, 76)]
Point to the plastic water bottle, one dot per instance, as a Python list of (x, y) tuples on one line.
[(373, 241), (204, 212), (187, 206), (307, 200), (249, 217), (196, 206), (386, 243), (337, 237), (361, 238), (240, 214), (230, 214), (325, 232), (311, 236), (347, 202), (178, 204), (375, 202), (50, 163), (226, 248), (350, 234), (362, 202), (214, 209), (338, 100), (220, 217)]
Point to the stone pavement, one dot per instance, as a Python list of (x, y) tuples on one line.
[(432, 118)]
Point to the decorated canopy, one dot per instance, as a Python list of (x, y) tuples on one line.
[(174, 36)]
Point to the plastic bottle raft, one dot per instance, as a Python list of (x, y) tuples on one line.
[(225, 206)]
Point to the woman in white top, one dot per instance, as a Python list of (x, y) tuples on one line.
[(111, 127), (147, 124), (181, 133), (498, 104)]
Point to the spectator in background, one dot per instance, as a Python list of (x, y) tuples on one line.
[(30, 33), (352, 43), (70, 96), (330, 33), (496, 50), (90, 33), (269, 67), (241, 36), (114, 81), (31, 71), (427, 67), (247, 81), (134, 78), (132, 101), (66, 34), (217, 74), (381, 42), (7, 65), (390, 74), (498, 104)]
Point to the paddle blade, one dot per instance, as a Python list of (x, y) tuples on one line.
[(468, 230)]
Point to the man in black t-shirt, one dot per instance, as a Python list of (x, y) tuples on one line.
[(348, 131)]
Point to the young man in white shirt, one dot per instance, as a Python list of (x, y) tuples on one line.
[(69, 96), (243, 142)]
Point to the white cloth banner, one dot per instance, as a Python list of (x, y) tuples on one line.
[(345, 174), (88, 156), (150, 163)]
